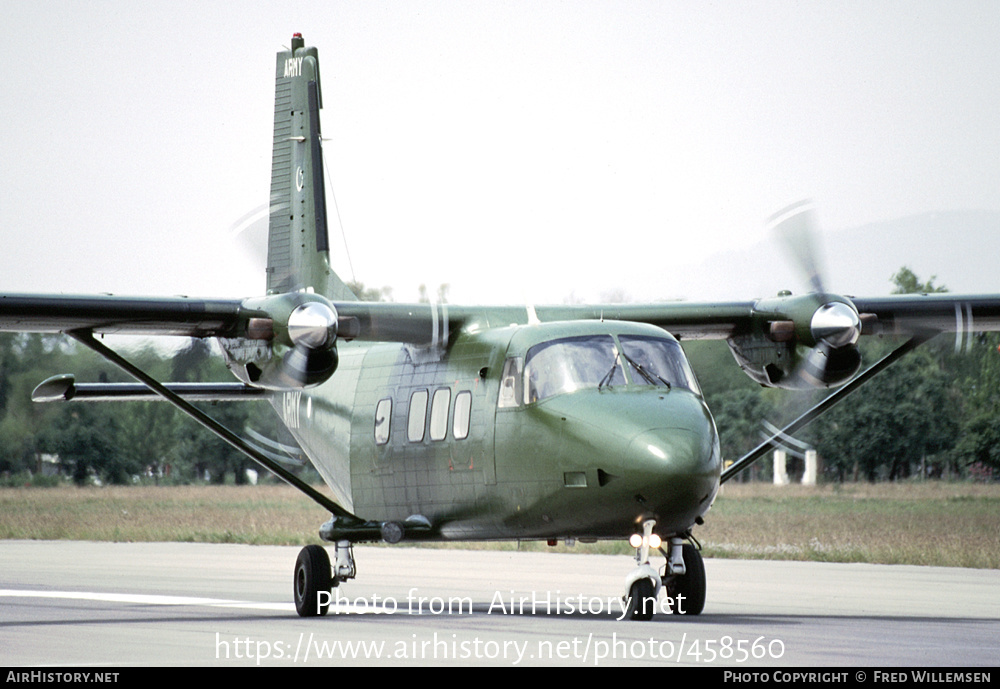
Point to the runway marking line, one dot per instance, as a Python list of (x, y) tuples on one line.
[(152, 599), (143, 599)]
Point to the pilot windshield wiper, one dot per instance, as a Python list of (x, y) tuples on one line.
[(651, 377), (606, 380)]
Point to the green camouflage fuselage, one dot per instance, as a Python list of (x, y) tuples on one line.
[(400, 431)]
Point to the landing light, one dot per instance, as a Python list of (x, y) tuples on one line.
[(635, 540)]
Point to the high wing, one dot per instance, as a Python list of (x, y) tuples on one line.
[(433, 324), (912, 313), (105, 314), (417, 323)]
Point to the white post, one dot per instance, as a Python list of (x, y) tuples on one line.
[(809, 477), (780, 474)]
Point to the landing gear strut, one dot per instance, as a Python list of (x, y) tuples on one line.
[(643, 583), (313, 578)]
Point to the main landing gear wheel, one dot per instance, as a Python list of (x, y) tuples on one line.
[(641, 601), (312, 576), (691, 584)]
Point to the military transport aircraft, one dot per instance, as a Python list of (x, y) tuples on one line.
[(440, 422)]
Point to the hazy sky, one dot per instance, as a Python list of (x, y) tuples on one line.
[(516, 150)]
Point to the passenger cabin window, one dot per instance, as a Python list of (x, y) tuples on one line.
[(570, 364), (383, 416), (416, 416), (439, 413), (463, 414)]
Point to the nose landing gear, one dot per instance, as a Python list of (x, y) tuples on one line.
[(643, 583), (683, 577)]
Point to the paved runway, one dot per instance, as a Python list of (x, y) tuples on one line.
[(120, 604)]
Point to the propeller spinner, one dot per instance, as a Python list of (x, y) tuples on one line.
[(836, 324), (313, 325), (811, 340)]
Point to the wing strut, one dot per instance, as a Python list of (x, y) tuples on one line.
[(86, 338), (824, 406)]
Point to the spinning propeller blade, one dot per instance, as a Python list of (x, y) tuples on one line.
[(835, 325)]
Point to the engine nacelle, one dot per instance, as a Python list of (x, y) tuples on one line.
[(801, 342), (290, 342), (787, 365)]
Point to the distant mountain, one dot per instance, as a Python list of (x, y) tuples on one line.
[(960, 248)]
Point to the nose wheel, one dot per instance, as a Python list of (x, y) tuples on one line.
[(641, 600)]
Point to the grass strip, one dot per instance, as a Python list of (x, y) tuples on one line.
[(920, 523)]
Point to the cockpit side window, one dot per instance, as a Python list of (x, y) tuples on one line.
[(570, 364), (510, 384), (655, 361)]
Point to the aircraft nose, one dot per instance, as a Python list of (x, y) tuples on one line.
[(673, 450), (676, 472)]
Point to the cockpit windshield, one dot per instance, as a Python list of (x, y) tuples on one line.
[(570, 364), (594, 361), (654, 361)]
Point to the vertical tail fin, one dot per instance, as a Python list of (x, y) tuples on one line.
[(298, 249)]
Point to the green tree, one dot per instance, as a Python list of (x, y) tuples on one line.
[(901, 417), (85, 436), (906, 282), (738, 415), (370, 293), (979, 434), (26, 359)]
